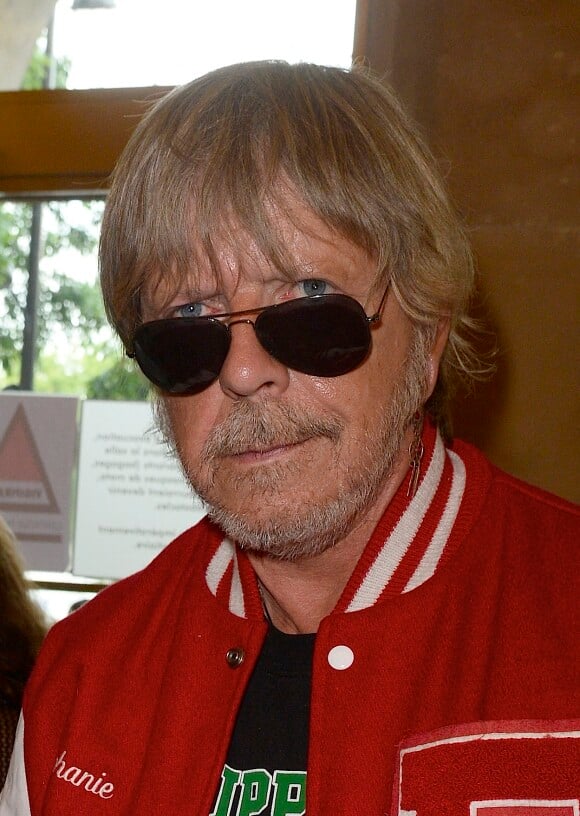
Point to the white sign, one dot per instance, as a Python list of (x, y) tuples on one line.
[(132, 498), (38, 434)]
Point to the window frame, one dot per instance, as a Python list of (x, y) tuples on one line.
[(65, 142)]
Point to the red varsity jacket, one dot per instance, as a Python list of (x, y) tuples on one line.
[(460, 697)]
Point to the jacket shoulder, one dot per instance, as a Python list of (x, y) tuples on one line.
[(130, 605), (518, 499)]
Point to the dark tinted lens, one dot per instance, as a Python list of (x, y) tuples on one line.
[(181, 355), (324, 336)]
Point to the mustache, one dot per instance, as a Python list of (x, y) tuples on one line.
[(254, 427)]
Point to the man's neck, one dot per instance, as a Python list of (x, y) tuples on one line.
[(297, 595)]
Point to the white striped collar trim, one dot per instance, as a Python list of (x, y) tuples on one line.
[(216, 570), (398, 542), (434, 551)]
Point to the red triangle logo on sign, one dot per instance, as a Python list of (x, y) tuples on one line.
[(24, 484)]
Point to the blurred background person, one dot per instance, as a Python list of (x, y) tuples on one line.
[(22, 630)]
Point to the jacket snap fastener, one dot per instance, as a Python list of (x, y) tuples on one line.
[(341, 657), (235, 657)]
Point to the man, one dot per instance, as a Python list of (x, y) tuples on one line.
[(368, 622)]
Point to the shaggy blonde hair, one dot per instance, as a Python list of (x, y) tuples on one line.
[(225, 151)]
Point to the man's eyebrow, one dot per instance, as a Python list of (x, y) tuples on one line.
[(300, 270)]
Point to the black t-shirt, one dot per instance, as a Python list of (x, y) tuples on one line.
[(265, 769)]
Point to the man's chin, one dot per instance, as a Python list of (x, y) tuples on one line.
[(269, 540), (286, 534)]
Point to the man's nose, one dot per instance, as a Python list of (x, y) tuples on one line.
[(248, 368)]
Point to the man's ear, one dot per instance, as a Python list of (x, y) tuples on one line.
[(435, 354)]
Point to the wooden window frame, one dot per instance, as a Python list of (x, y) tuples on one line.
[(62, 142)]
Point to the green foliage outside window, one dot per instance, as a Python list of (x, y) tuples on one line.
[(75, 352)]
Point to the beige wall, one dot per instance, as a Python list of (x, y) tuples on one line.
[(494, 86)]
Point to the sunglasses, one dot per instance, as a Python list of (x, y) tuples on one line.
[(321, 335)]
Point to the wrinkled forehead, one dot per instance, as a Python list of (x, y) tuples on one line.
[(207, 270), (290, 242)]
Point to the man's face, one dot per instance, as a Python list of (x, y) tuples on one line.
[(287, 462)]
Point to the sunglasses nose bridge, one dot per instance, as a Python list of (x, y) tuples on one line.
[(244, 320), (247, 321)]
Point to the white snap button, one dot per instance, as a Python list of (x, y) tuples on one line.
[(341, 657)]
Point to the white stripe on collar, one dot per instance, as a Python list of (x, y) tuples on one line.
[(216, 570), (236, 604), (403, 533), (218, 566), (434, 551)]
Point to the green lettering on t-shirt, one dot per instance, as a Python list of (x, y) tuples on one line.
[(255, 791), (230, 778), (289, 793)]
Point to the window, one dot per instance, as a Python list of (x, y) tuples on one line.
[(55, 337), (165, 43)]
